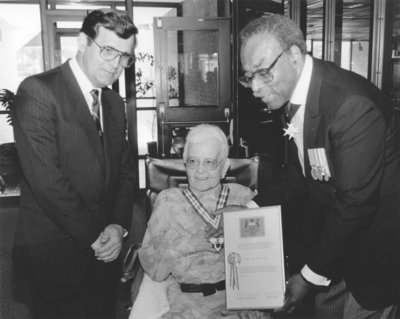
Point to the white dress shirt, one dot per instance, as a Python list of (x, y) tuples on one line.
[(86, 86)]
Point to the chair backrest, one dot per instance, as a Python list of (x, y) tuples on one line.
[(166, 173)]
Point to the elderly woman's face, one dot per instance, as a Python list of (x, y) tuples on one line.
[(205, 155)]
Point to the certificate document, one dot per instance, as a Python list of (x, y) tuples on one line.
[(254, 260)]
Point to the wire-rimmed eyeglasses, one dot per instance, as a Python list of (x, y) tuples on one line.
[(209, 164), (264, 74), (109, 53)]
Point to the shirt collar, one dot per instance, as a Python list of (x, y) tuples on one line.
[(299, 95)]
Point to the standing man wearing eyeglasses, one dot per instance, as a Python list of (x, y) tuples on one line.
[(344, 156), (78, 184)]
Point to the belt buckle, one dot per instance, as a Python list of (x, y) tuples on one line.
[(208, 289)]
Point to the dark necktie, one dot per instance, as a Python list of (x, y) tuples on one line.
[(290, 110), (96, 110)]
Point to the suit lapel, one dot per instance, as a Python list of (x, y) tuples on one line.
[(109, 124), (80, 109), (289, 147), (313, 121)]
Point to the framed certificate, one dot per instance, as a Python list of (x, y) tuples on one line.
[(254, 259)]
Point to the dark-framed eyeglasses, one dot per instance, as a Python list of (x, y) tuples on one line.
[(209, 164), (264, 74), (109, 53)]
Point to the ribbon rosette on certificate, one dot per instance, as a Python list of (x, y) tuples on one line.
[(234, 260)]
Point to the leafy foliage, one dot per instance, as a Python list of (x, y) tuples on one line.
[(7, 99), (143, 85)]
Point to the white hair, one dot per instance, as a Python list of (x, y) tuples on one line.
[(203, 132)]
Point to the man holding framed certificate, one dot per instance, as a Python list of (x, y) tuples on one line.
[(343, 156)]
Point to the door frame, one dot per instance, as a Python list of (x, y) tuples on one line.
[(169, 117)]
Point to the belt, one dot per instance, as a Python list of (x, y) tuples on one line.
[(206, 289)]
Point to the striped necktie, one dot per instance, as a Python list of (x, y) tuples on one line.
[(96, 110)]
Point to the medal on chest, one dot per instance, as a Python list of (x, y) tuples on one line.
[(319, 164)]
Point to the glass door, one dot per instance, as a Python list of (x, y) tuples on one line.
[(66, 44), (193, 77), (394, 91)]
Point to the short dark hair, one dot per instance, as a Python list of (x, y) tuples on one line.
[(285, 31), (113, 20)]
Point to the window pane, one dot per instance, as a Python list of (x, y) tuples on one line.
[(145, 75), (315, 15), (142, 174), (6, 131), (355, 36), (147, 129), (20, 51), (193, 68), (69, 24), (395, 89), (145, 71), (79, 6), (359, 57), (149, 102), (20, 43), (68, 47)]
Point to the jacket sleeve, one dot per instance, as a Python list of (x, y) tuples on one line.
[(123, 202), (357, 137)]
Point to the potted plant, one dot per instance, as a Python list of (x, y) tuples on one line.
[(10, 170)]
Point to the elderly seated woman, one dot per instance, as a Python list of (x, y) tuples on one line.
[(176, 249)]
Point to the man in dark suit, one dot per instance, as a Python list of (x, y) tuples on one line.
[(344, 154), (77, 190)]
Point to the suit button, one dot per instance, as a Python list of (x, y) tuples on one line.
[(64, 213), (69, 238)]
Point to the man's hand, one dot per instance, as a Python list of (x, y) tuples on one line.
[(109, 243), (296, 289), (211, 232)]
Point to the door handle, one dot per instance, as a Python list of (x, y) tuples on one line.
[(161, 111), (227, 113)]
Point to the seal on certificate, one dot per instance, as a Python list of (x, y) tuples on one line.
[(252, 225), (234, 260)]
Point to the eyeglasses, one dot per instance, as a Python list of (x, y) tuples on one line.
[(264, 74), (209, 164), (109, 53)]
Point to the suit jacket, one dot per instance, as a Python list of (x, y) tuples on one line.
[(72, 185), (356, 214)]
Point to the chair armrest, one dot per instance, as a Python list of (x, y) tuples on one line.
[(131, 263)]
